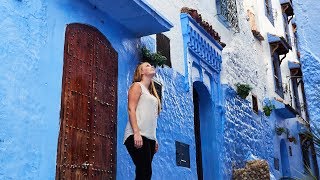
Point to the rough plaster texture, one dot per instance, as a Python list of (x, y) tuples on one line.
[(308, 44), (23, 33), (245, 133), (174, 124)]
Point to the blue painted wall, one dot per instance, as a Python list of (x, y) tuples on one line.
[(292, 126), (174, 124), (246, 134), (31, 54), (306, 14), (308, 41)]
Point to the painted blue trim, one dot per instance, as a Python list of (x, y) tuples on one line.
[(186, 38), (292, 65), (148, 8), (280, 40), (137, 16), (284, 110), (202, 52), (195, 41), (204, 32)]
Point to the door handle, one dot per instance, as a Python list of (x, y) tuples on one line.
[(85, 165)]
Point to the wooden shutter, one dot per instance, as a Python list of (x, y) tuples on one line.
[(163, 46)]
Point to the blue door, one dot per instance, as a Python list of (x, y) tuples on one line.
[(284, 159)]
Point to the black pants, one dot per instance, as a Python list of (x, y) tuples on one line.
[(142, 157)]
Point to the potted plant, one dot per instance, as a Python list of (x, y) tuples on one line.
[(155, 59), (292, 139), (280, 130), (243, 90), (267, 109)]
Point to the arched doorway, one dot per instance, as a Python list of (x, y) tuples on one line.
[(285, 166), (87, 137), (204, 128)]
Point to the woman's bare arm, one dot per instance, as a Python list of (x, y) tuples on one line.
[(133, 98)]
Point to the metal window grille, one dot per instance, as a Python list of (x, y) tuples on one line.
[(269, 11), (228, 9)]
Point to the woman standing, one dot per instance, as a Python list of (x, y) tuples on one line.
[(140, 133)]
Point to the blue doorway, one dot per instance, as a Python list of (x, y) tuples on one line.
[(284, 159), (204, 132)]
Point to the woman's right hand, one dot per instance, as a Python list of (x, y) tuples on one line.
[(138, 143)]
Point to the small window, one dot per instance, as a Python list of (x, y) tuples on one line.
[(295, 75), (227, 12), (158, 87), (277, 75), (269, 11), (255, 104), (290, 151), (276, 163), (163, 47), (286, 28)]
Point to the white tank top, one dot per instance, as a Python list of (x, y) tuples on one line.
[(146, 113)]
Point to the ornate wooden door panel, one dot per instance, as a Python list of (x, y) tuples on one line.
[(87, 138)]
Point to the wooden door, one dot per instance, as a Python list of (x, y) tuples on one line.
[(87, 138)]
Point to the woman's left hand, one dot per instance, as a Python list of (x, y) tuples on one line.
[(156, 147)]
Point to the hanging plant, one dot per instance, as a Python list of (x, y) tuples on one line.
[(280, 130), (155, 59), (243, 90), (267, 109)]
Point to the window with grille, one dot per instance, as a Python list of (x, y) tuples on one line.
[(255, 104), (227, 12), (295, 75), (277, 74), (269, 11), (163, 47)]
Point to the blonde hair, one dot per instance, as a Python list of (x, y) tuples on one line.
[(152, 89)]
